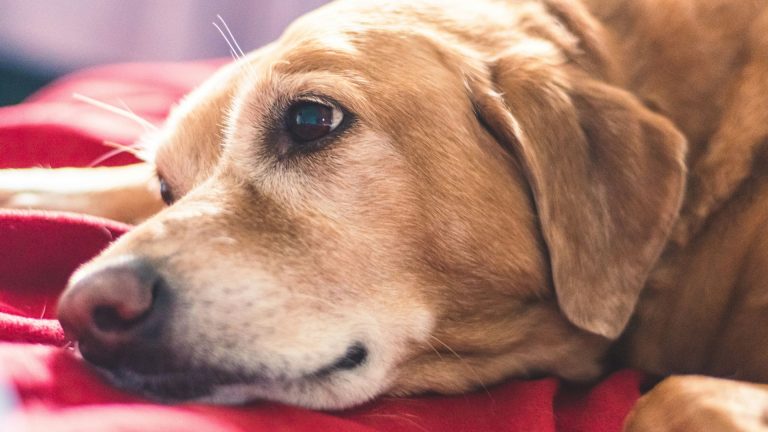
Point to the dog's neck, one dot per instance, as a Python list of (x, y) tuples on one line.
[(673, 62), (672, 59)]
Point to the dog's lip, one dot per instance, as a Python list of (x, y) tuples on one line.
[(176, 386), (355, 356), (187, 384)]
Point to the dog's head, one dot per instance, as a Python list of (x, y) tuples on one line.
[(395, 200)]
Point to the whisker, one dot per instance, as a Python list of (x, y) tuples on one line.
[(231, 48), (439, 355), (467, 365), (316, 298), (138, 149), (109, 155), (231, 36), (117, 149), (115, 110), (134, 149), (127, 108), (146, 148)]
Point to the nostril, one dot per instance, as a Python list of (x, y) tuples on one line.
[(127, 312), (108, 319), (124, 315)]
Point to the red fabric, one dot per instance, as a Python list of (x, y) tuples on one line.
[(39, 250)]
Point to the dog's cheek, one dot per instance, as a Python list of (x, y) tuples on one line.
[(466, 352)]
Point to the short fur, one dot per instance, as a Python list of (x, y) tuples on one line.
[(513, 198)]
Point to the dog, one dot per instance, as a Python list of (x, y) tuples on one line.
[(407, 197)]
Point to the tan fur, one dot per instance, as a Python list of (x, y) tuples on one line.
[(128, 194), (697, 403), (504, 204)]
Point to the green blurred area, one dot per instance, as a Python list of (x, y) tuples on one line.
[(17, 83)]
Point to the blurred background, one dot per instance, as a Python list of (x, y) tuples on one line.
[(44, 39)]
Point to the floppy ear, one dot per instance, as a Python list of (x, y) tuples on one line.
[(607, 176)]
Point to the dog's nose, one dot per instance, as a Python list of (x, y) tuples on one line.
[(111, 308)]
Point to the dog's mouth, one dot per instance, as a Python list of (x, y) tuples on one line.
[(180, 384), (171, 387)]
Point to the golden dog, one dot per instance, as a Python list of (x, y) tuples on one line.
[(423, 196)]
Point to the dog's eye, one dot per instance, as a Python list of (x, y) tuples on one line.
[(309, 121), (165, 192)]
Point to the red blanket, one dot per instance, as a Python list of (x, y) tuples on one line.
[(52, 391)]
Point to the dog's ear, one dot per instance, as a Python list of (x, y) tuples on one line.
[(607, 177)]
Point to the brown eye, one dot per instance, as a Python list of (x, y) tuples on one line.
[(309, 121), (165, 192)]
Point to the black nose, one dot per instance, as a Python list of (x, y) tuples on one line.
[(112, 309)]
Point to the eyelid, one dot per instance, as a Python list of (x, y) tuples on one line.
[(318, 99), (162, 180), (315, 99), (166, 192)]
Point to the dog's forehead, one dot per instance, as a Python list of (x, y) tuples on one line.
[(374, 71)]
